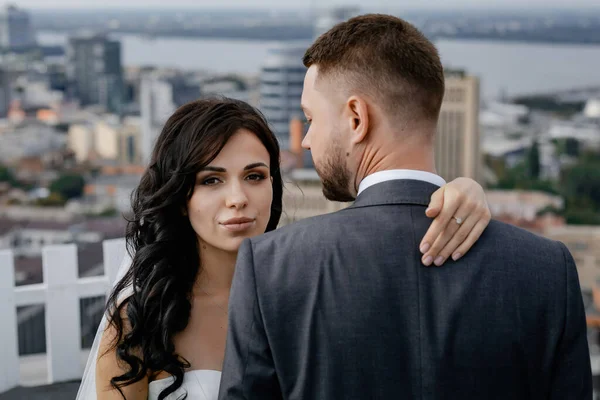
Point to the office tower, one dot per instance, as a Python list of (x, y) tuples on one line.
[(281, 81), (457, 147), (94, 69), (15, 29), (5, 91)]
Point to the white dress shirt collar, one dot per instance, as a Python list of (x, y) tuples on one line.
[(392, 174)]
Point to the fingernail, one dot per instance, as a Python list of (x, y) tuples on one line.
[(456, 256), (439, 261), (424, 248), (427, 261)]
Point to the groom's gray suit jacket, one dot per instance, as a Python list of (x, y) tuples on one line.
[(340, 307)]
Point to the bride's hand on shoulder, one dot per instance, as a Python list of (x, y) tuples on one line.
[(460, 215)]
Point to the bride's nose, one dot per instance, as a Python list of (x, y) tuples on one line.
[(236, 196)]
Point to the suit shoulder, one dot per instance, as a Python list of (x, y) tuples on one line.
[(508, 231), (313, 225), (518, 241)]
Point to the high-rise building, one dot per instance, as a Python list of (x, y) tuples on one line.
[(156, 106), (95, 71), (457, 143), (5, 91), (281, 82), (282, 78), (15, 29)]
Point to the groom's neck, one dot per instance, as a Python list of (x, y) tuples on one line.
[(418, 157)]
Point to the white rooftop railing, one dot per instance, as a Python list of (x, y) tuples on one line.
[(60, 293)]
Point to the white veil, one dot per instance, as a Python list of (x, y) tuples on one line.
[(87, 389)]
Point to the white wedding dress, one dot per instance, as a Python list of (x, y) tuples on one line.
[(199, 384)]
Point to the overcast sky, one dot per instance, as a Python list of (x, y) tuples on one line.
[(396, 4)]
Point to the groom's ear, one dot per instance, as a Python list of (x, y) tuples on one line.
[(358, 118)]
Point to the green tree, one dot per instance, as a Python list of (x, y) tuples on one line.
[(580, 187), (496, 164), (581, 183), (572, 147), (69, 186), (515, 178), (518, 178), (53, 200), (533, 161), (582, 217), (568, 146), (109, 212), (6, 175)]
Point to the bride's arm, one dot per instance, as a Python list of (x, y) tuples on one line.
[(108, 367), (461, 214)]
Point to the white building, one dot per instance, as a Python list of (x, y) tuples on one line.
[(503, 115), (106, 138), (592, 109), (156, 106), (31, 139), (113, 191), (39, 94), (230, 87), (27, 238), (514, 151), (587, 133), (81, 140), (107, 133)]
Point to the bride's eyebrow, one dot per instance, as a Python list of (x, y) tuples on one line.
[(255, 165), (213, 169), (221, 169)]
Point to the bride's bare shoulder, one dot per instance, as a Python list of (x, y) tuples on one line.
[(108, 364)]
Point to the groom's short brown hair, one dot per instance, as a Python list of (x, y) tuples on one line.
[(383, 57)]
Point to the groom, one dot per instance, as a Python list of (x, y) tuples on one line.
[(340, 306)]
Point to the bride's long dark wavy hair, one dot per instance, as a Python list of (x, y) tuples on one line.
[(162, 243)]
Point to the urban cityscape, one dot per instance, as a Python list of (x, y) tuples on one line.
[(83, 99)]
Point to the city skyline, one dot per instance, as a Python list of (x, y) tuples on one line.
[(276, 4)]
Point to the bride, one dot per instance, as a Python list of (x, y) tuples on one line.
[(215, 166)]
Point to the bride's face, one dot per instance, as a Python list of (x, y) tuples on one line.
[(232, 196)]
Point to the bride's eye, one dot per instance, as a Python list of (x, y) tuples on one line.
[(210, 181), (256, 177)]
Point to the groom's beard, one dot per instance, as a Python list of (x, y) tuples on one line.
[(335, 177)]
